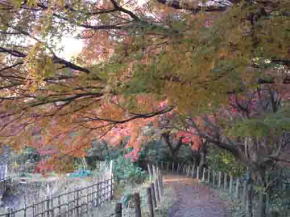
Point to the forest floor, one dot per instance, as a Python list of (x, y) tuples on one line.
[(193, 199)]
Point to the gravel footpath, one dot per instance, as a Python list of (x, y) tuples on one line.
[(194, 199)]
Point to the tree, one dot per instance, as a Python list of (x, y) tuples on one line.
[(193, 59), (255, 129)]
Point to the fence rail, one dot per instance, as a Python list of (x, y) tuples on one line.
[(236, 187), (69, 204), (144, 203)]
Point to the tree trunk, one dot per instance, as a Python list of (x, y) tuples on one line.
[(250, 195), (262, 204), (195, 155), (203, 154), (173, 150)]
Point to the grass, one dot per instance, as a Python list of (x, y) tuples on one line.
[(167, 202), (124, 191)]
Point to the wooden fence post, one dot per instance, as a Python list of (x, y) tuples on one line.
[(213, 178), (159, 183), (203, 174), (42, 208), (137, 204), (245, 193), (160, 180), (111, 188), (149, 171), (8, 212), (77, 201), (153, 172), (188, 170), (231, 184), (25, 207), (150, 202), (98, 194), (47, 205), (157, 191), (192, 173), (33, 208), (153, 195), (118, 210), (237, 188), (208, 175), (225, 181), (88, 199), (220, 179)]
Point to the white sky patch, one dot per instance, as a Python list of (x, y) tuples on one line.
[(71, 47)]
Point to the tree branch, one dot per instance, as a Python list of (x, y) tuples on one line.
[(195, 7)]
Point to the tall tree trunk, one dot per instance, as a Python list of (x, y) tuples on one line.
[(203, 154), (195, 155), (173, 150), (250, 195), (262, 204), (262, 194)]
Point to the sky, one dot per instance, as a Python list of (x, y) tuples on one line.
[(71, 47)]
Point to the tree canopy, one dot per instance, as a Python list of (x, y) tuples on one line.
[(141, 60)]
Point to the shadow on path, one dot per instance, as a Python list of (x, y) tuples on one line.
[(194, 199)]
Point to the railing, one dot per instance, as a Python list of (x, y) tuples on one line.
[(235, 187), (69, 204), (3, 172), (147, 200)]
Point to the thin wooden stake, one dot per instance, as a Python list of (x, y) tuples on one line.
[(137, 204), (118, 210), (220, 179), (203, 174), (208, 175), (193, 173), (225, 181), (153, 195), (231, 184), (237, 188), (150, 202)]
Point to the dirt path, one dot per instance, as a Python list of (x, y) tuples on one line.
[(194, 199)]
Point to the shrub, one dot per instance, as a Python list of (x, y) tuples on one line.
[(224, 161), (125, 170)]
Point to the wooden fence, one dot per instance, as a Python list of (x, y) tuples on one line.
[(147, 201), (235, 187), (3, 172), (4, 183), (69, 204)]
